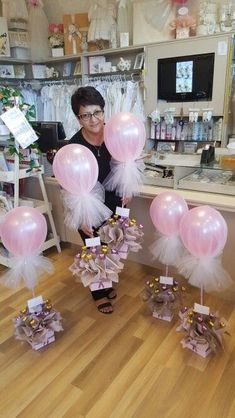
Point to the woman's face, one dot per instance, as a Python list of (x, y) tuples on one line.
[(91, 118)]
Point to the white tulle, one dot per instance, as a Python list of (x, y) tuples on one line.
[(125, 178), (207, 272), (168, 249), (87, 209), (38, 30), (26, 270)]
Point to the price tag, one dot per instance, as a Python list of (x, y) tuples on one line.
[(92, 242), (17, 123), (34, 304), (201, 309), (125, 212), (166, 280)]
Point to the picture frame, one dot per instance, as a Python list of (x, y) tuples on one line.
[(77, 68), (7, 71), (105, 67), (39, 71), (139, 61), (124, 39), (94, 63), (67, 69), (4, 38), (19, 71)]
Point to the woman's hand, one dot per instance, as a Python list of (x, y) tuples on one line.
[(86, 229)]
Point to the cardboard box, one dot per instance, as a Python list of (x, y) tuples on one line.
[(102, 284), (50, 339), (73, 25), (202, 350), (163, 317)]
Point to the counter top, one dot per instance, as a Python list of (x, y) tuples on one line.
[(194, 198)]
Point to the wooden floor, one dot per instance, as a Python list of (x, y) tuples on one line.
[(124, 365)]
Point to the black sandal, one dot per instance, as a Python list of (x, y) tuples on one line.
[(105, 305), (110, 290)]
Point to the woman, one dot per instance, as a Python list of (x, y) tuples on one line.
[(88, 106)]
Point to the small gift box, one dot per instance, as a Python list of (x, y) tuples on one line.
[(202, 349), (168, 317), (49, 338), (101, 284)]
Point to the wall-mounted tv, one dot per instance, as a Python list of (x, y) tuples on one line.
[(186, 79)]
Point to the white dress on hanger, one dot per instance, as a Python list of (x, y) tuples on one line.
[(101, 15), (125, 17), (17, 9), (38, 30)]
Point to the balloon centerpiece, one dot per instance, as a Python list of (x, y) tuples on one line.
[(76, 170), (203, 231), (23, 231), (166, 212), (124, 137)]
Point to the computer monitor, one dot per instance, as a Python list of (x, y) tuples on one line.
[(51, 135)]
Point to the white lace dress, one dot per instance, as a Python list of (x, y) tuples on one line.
[(38, 29), (101, 15)]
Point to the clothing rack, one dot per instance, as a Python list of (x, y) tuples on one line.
[(23, 83), (134, 77)]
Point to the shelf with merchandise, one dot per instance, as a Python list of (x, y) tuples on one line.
[(181, 171)]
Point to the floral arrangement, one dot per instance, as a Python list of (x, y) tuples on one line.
[(203, 332), (38, 327), (56, 38), (162, 299), (122, 235), (96, 265)]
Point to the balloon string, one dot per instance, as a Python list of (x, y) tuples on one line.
[(33, 292), (201, 298), (167, 269)]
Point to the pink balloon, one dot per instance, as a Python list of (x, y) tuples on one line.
[(76, 169), (23, 230), (203, 231), (166, 211), (124, 136)]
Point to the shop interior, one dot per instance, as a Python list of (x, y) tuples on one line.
[(171, 65)]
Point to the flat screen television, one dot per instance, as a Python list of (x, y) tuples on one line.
[(186, 79), (51, 135)]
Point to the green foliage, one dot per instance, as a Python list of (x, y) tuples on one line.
[(10, 97)]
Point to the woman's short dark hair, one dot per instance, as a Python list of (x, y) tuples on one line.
[(85, 96)]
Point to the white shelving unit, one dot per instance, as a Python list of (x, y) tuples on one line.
[(42, 205)]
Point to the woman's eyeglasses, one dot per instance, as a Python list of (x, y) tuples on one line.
[(98, 114)]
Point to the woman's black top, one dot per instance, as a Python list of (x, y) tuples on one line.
[(103, 158)]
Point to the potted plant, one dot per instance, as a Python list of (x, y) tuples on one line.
[(56, 39), (10, 97)]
